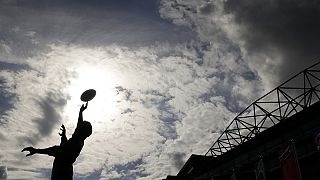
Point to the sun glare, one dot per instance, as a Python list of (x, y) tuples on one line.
[(103, 106)]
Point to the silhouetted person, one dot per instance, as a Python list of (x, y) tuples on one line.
[(68, 151)]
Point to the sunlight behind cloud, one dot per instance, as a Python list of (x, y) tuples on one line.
[(103, 106)]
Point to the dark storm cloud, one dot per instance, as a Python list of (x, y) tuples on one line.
[(6, 103), (5, 97), (128, 110), (88, 23), (50, 108), (288, 27), (206, 9), (50, 118), (167, 115), (126, 93), (178, 159), (131, 170), (12, 66)]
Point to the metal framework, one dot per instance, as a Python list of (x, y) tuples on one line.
[(292, 96)]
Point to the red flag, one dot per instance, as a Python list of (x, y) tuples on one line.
[(289, 163)]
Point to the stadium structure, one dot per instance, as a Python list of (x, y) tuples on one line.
[(276, 137)]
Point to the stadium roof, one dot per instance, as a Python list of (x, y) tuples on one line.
[(291, 97)]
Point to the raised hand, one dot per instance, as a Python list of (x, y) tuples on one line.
[(31, 150), (63, 131), (83, 107)]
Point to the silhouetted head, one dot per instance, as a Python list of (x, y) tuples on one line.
[(85, 130)]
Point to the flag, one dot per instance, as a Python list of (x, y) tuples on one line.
[(289, 163), (259, 171)]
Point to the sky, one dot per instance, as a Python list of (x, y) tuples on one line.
[(170, 75)]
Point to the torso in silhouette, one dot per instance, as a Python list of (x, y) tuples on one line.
[(65, 155)]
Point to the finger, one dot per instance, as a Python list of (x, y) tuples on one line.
[(25, 149), (29, 155)]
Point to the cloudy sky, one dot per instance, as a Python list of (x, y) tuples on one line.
[(169, 74)]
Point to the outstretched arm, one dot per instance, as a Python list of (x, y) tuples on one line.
[(80, 119), (51, 151)]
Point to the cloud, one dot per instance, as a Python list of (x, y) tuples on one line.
[(288, 29), (36, 24), (128, 110), (244, 48), (173, 97), (156, 103), (51, 116), (36, 97), (178, 160), (131, 170), (276, 39)]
